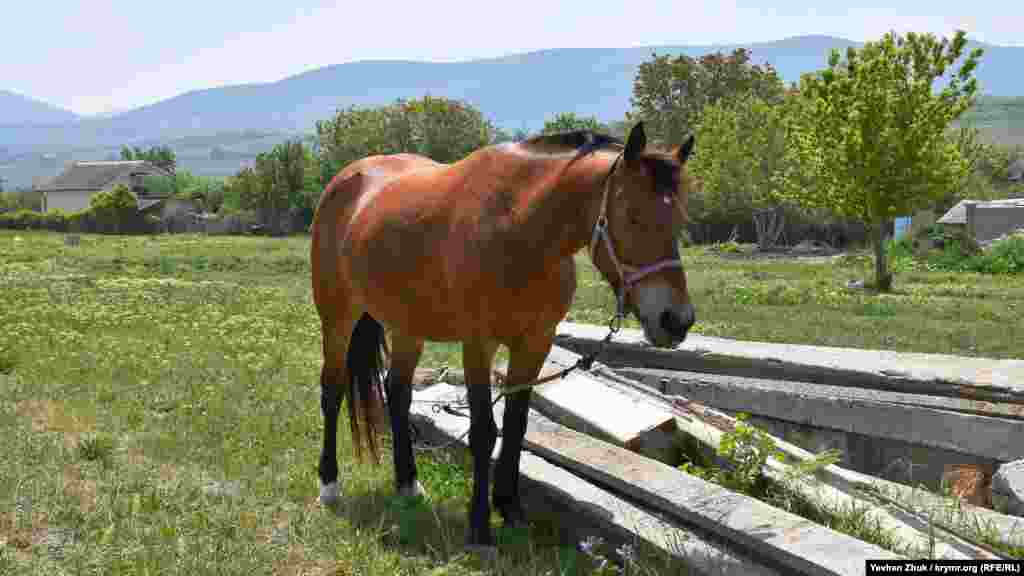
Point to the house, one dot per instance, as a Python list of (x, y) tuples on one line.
[(71, 190), (985, 220)]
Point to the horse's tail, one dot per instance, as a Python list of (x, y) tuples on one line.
[(365, 359)]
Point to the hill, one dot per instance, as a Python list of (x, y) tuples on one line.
[(1000, 118), (18, 109), (516, 91)]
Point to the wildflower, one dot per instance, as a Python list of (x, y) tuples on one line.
[(627, 553)]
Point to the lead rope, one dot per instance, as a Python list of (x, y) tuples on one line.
[(585, 362)]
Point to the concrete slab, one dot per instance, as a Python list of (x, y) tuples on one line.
[(983, 379), (589, 504), (867, 412), (594, 407)]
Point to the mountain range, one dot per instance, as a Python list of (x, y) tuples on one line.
[(515, 91)]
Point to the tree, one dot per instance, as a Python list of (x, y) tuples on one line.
[(874, 130), (743, 168), (670, 93), (115, 207), (161, 156), (569, 121), (444, 130), (440, 128)]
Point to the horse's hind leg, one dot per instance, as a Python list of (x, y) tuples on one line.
[(333, 384), (405, 355), (526, 359)]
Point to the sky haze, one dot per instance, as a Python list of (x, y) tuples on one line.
[(95, 57)]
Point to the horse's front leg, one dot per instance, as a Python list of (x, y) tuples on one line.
[(525, 362), (483, 434)]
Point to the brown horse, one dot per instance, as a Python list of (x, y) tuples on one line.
[(480, 251)]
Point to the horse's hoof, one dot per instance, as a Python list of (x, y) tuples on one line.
[(487, 553), (329, 494), (512, 515), (482, 539), (414, 490)]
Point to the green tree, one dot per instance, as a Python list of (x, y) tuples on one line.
[(161, 156), (874, 132), (669, 93), (569, 121), (442, 129), (115, 207), (743, 167)]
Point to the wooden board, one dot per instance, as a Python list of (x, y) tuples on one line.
[(597, 506)]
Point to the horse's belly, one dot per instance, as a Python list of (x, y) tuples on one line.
[(422, 301)]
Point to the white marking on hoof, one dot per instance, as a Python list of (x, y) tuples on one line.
[(412, 491), (329, 494)]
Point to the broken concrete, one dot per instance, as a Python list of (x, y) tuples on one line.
[(981, 379), (596, 408), (1008, 488)]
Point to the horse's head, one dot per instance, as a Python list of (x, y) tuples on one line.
[(643, 210)]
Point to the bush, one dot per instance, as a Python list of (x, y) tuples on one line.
[(1003, 257), (32, 220)]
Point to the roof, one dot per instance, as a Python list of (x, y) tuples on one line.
[(958, 214), (97, 175), (1016, 171)]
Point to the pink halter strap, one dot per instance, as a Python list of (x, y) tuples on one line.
[(628, 274)]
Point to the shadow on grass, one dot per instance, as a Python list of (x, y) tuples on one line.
[(436, 526)]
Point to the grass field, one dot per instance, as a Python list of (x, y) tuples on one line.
[(160, 411)]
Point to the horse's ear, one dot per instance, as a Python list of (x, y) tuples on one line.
[(686, 149), (636, 143)]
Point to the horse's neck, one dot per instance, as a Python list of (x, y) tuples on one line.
[(566, 213)]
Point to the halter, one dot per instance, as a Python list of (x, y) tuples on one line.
[(628, 275)]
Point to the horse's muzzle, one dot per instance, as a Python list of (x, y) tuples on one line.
[(677, 323)]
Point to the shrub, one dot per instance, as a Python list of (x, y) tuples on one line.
[(32, 220), (1003, 257)]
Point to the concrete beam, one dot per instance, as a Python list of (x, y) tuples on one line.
[(868, 412), (979, 379), (797, 544)]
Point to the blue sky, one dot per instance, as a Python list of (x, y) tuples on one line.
[(94, 56)]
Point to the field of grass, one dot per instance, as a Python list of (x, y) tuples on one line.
[(160, 411)]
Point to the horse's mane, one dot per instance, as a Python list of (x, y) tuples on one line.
[(583, 141)]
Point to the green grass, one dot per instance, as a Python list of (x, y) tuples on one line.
[(801, 302), (164, 419), (160, 411)]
